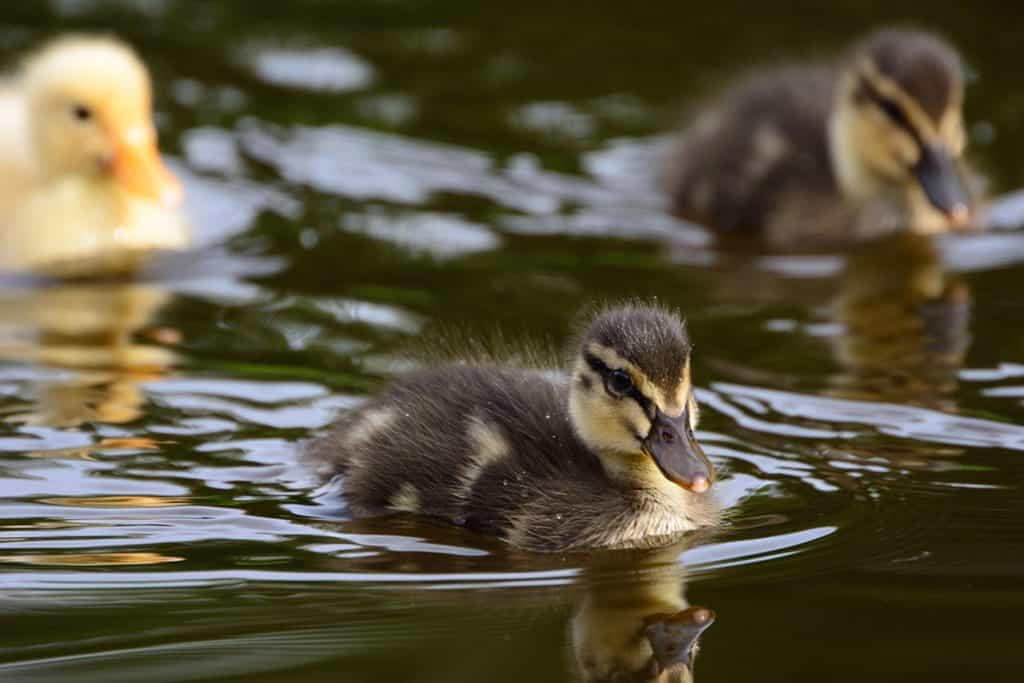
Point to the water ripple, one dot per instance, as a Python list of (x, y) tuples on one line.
[(908, 422), (326, 69)]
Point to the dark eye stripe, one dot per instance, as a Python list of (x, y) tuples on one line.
[(600, 367), (888, 107), (596, 364), (646, 404), (895, 114)]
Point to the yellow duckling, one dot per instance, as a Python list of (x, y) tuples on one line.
[(832, 154), (601, 456), (84, 186)]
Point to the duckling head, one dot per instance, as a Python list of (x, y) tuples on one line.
[(631, 400), (90, 107), (897, 124)]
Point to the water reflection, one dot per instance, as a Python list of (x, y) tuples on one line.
[(172, 535), (91, 330), (624, 617), (639, 627), (895, 317), (91, 559), (905, 322)]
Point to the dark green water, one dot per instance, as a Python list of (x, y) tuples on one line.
[(363, 173)]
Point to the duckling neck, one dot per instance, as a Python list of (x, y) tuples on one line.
[(637, 474), (853, 179)]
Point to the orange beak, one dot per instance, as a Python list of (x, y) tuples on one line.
[(139, 169)]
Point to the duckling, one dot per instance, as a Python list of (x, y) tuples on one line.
[(84, 184), (604, 456), (822, 155)]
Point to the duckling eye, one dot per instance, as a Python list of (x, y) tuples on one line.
[(81, 112), (619, 383)]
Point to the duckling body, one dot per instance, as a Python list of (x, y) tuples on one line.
[(505, 451), (828, 154), (84, 186)]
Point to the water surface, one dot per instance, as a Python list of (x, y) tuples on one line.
[(363, 174)]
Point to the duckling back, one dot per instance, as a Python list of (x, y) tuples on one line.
[(453, 443), (755, 154)]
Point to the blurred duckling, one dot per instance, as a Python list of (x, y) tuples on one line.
[(84, 186), (830, 154), (602, 457)]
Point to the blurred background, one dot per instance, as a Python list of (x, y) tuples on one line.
[(361, 174)]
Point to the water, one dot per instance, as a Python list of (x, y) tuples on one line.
[(366, 173)]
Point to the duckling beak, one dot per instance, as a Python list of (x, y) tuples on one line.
[(938, 176), (674, 636), (138, 168), (676, 452)]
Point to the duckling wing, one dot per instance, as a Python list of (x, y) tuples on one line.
[(463, 443), (758, 148)]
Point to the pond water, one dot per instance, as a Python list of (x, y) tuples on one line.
[(365, 173)]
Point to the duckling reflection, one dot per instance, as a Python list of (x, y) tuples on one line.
[(894, 319), (85, 190), (816, 155), (906, 324), (88, 329), (641, 630)]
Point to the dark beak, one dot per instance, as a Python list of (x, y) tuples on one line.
[(675, 450), (939, 178), (673, 637)]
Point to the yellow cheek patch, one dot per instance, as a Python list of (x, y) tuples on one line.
[(682, 395), (951, 129), (635, 418)]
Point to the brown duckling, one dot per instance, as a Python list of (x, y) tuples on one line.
[(84, 187), (603, 456), (822, 154)]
